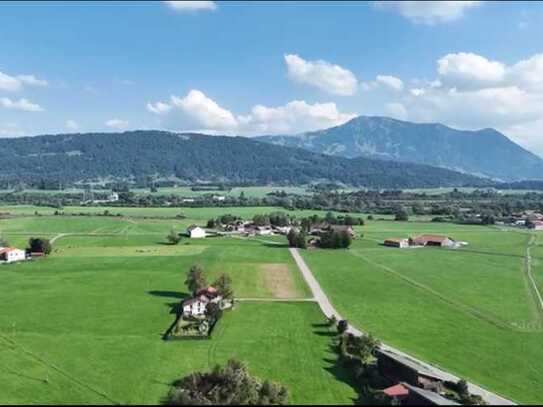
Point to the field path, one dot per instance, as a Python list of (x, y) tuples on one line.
[(329, 310), (528, 270)]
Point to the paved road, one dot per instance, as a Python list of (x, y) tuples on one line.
[(329, 310)]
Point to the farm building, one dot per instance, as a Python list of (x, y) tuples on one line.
[(396, 242), (11, 254), (420, 397), (536, 225), (342, 228), (197, 305), (431, 240), (196, 232), (399, 368)]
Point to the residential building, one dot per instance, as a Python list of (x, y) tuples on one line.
[(396, 242), (11, 254), (432, 240), (196, 232)]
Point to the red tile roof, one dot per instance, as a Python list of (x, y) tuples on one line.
[(430, 238), (396, 391)]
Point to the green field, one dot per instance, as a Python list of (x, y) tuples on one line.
[(84, 325), (469, 310)]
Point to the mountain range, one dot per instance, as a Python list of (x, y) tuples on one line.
[(485, 153), (191, 158)]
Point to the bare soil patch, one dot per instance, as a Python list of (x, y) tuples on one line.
[(278, 280)]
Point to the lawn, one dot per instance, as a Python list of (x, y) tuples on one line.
[(468, 310), (84, 325)]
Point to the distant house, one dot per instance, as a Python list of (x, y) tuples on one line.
[(342, 228), (322, 228), (431, 240), (396, 242), (196, 232), (11, 254), (399, 368), (536, 225), (421, 397), (263, 230), (197, 305)]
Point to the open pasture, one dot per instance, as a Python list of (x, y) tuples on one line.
[(84, 325), (470, 310)]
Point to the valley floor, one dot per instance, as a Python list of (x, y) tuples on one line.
[(84, 325)]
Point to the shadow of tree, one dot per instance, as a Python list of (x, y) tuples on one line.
[(340, 373), (168, 294)]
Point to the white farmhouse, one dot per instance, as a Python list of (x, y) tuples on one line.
[(195, 306), (196, 232), (10, 254)]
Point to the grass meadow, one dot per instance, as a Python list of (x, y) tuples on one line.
[(84, 325), (468, 310)]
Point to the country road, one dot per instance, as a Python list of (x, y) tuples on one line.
[(329, 310)]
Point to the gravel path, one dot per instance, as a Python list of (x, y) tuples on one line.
[(329, 310)]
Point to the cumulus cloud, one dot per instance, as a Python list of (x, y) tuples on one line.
[(328, 77), (466, 69), (191, 5), (159, 107), (117, 124), (390, 81), (16, 83), (71, 125), (205, 110), (396, 110), (428, 12), (204, 113), (21, 104)]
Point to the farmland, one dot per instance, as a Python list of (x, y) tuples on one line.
[(84, 325), (470, 310)]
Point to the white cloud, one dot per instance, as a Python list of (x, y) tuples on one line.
[(191, 5), (21, 104), (326, 76), (71, 125), (417, 91), (428, 12), (16, 83), (205, 111), (296, 116), (32, 80), (528, 73), (159, 107), (466, 70), (9, 130), (396, 110), (9, 83), (117, 124), (391, 82)]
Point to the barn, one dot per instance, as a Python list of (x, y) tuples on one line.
[(11, 254), (432, 240), (196, 232), (396, 242)]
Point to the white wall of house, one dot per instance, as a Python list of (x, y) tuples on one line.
[(15, 255), (195, 308), (197, 233)]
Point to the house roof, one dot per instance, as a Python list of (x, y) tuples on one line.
[(198, 298), (7, 249), (395, 239), (434, 398), (411, 363), (395, 391), (430, 238), (208, 291), (192, 227)]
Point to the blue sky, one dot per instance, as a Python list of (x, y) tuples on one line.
[(270, 67)]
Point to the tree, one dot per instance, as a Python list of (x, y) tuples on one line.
[(195, 279), (401, 215), (228, 385), (342, 326), (213, 310), (223, 285), (39, 245), (363, 347), (173, 237)]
